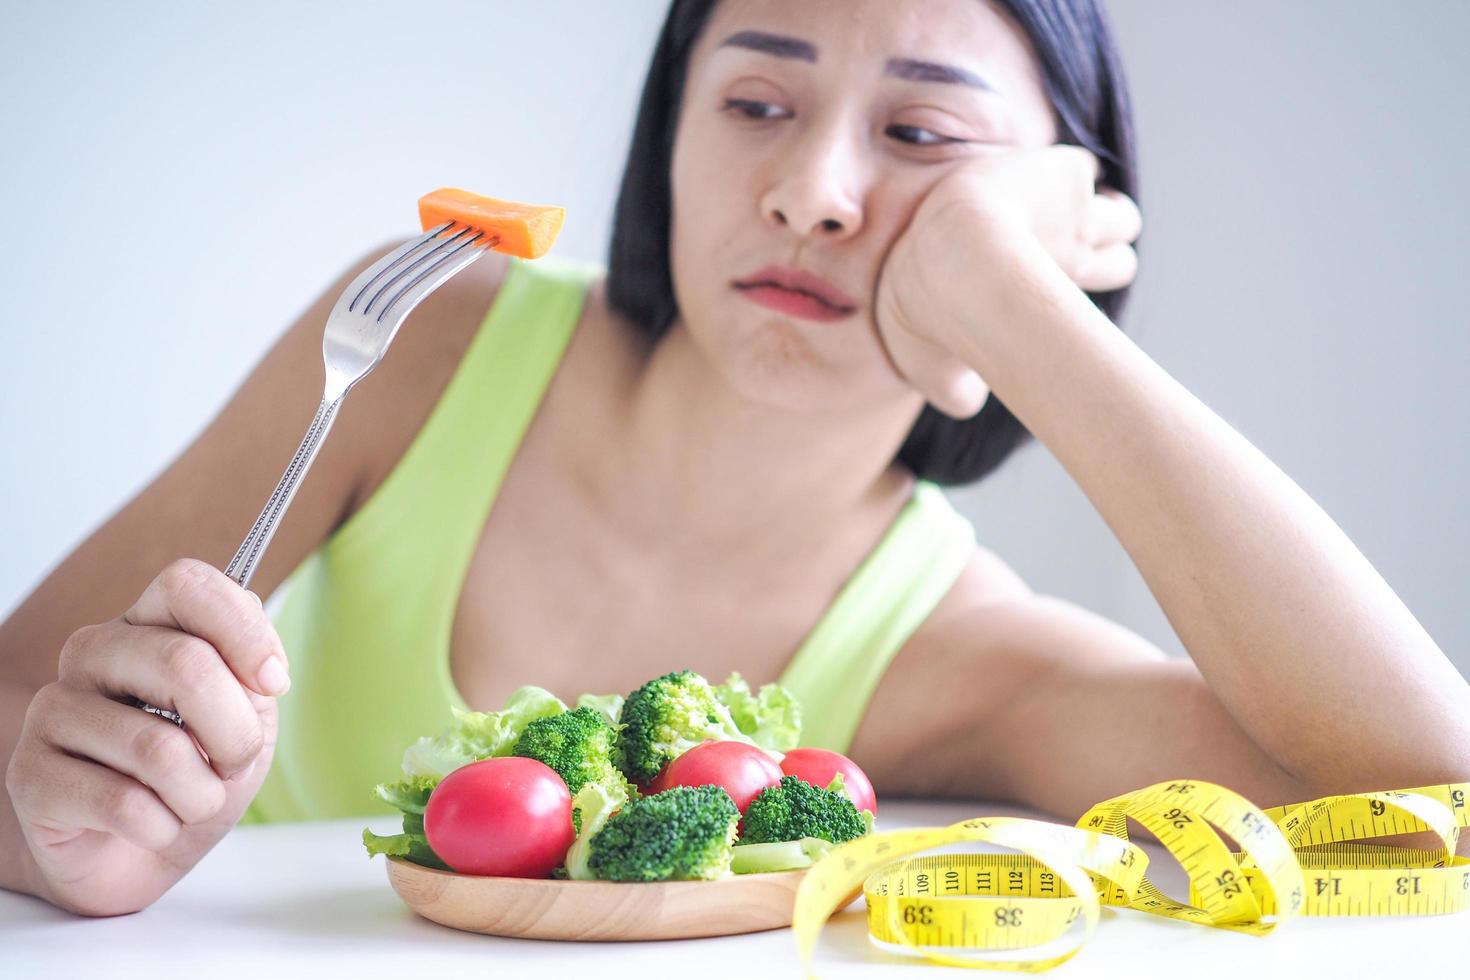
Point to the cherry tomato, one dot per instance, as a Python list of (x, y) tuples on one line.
[(510, 817), (818, 766), (742, 770)]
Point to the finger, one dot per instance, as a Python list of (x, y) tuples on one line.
[(944, 381), (174, 670), (197, 598), (54, 787), (1113, 217), (155, 752), (962, 393), (1089, 167), (1105, 269)]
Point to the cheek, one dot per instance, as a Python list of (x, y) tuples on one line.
[(690, 225), (890, 207), (715, 216)]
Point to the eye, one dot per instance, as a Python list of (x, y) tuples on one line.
[(919, 136), (752, 109)]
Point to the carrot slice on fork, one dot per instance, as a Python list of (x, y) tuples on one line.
[(523, 230)]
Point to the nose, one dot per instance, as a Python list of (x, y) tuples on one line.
[(815, 192)]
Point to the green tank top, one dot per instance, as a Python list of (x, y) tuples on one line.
[(366, 619)]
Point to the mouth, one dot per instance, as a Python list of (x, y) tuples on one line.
[(796, 292)]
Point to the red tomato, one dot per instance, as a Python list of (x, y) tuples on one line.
[(818, 766), (742, 770), (510, 817)]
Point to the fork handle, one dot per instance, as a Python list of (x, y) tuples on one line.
[(242, 566)]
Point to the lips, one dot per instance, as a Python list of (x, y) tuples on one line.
[(800, 282)]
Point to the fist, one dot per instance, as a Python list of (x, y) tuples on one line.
[(116, 804), (1005, 223)]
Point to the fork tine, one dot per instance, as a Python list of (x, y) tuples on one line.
[(444, 246), (389, 262), (442, 268)]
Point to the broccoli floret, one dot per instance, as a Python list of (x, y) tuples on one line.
[(608, 705), (578, 744), (797, 809), (788, 855), (666, 717), (682, 833)]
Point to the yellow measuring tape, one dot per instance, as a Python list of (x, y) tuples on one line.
[(978, 910)]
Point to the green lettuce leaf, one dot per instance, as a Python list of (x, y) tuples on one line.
[(414, 847), (771, 717), (476, 735), (592, 806), (410, 795)]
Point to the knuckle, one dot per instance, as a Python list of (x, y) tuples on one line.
[(46, 704), (77, 647), (159, 749), (190, 662), (184, 577), (18, 781), (45, 700), (125, 802)]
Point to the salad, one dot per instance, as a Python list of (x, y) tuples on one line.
[(680, 780)]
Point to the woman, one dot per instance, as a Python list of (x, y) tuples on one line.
[(854, 253)]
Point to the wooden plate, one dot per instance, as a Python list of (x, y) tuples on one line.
[(535, 908)]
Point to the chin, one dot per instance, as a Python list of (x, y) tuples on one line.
[(770, 360)]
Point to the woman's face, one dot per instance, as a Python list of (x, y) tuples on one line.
[(809, 132)]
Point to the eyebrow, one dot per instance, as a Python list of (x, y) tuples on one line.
[(908, 69), (928, 71), (773, 44)]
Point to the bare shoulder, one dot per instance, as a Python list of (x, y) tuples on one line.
[(918, 703)]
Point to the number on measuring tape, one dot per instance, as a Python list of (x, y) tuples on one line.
[(1008, 917), (918, 915)]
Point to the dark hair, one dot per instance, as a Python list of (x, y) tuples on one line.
[(1084, 79)]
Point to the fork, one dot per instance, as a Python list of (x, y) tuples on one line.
[(359, 329)]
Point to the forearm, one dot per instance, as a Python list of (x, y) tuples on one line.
[(1301, 639), (17, 870)]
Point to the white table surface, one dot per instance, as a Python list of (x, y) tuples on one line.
[(304, 900)]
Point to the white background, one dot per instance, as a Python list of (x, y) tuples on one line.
[(179, 180)]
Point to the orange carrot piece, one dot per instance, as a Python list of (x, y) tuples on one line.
[(523, 230)]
